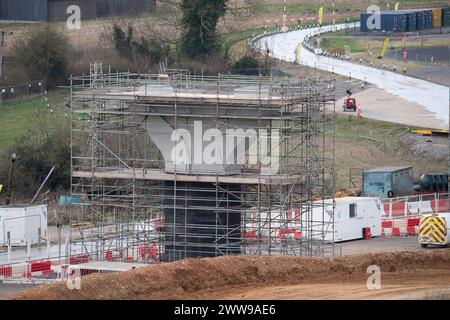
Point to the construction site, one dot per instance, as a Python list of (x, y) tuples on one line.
[(258, 195), (295, 175)]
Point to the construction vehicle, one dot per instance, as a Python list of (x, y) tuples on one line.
[(434, 230), (349, 104)]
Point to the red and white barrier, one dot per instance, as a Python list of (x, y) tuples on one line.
[(440, 205), (414, 205), (419, 207), (26, 270), (400, 227)]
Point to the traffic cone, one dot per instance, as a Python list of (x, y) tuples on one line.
[(358, 113)]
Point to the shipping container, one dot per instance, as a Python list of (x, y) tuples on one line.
[(424, 18), (394, 21), (437, 18), (389, 21), (428, 19), (387, 182), (411, 21), (446, 17), (363, 24)]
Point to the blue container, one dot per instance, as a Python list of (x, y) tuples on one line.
[(394, 21), (390, 21), (411, 22), (387, 182), (446, 17), (363, 20), (424, 19)]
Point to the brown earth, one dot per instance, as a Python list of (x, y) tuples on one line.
[(404, 275), (164, 23)]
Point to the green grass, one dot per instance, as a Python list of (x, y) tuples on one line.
[(369, 143), (337, 45), (351, 128), (15, 115)]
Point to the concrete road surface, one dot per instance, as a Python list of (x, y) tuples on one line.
[(377, 104), (429, 96)]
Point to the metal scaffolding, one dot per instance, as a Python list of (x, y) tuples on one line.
[(138, 205)]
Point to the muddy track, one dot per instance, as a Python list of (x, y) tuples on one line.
[(226, 277)]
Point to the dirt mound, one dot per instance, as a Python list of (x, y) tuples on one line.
[(192, 278), (435, 148)]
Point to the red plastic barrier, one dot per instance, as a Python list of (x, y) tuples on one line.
[(413, 222), (439, 205), (297, 234), (367, 234), (398, 208), (147, 251), (41, 266), (6, 271), (386, 224), (79, 260), (396, 232), (412, 231), (45, 272), (250, 235)]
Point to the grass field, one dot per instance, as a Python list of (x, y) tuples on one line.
[(15, 115), (369, 143)]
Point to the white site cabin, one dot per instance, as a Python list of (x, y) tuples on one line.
[(22, 225), (351, 216)]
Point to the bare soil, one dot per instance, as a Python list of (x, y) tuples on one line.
[(424, 274)]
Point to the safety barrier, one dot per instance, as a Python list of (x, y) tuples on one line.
[(28, 270), (149, 252), (415, 205), (398, 227)]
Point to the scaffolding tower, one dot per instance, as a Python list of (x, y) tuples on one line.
[(139, 203), (96, 75)]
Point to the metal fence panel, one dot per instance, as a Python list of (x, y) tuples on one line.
[(21, 90)]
